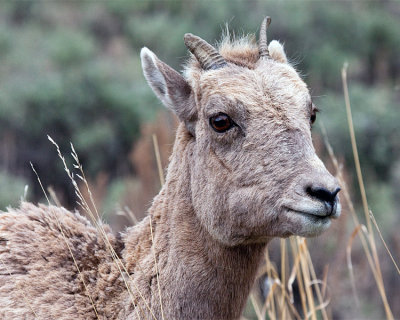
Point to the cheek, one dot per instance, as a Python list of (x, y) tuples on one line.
[(253, 206), (245, 206), (209, 187)]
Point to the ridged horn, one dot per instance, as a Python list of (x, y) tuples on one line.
[(208, 57), (262, 44)]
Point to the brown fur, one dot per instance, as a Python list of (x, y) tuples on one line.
[(226, 195)]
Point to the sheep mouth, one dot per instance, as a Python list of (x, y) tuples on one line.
[(318, 212), (315, 216)]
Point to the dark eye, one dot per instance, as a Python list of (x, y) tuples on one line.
[(221, 122), (313, 116)]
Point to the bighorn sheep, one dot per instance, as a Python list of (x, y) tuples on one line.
[(243, 170)]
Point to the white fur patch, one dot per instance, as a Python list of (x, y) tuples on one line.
[(277, 52)]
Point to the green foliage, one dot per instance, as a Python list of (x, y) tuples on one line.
[(69, 48), (12, 189)]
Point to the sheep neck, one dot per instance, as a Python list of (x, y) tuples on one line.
[(198, 276)]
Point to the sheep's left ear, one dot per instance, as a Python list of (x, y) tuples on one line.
[(170, 87), (277, 52)]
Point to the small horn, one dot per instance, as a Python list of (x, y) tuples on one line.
[(208, 57), (263, 45)]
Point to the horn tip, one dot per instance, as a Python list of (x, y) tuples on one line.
[(267, 19), (188, 37)]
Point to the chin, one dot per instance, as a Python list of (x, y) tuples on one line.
[(312, 227), (309, 221), (303, 224)]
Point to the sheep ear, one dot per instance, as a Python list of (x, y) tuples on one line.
[(276, 51), (170, 87)]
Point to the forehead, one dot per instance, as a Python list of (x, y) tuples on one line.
[(271, 87)]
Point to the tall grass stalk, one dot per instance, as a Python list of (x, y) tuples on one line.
[(158, 159), (370, 234), (68, 246), (94, 216), (384, 242), (58, 204), (161, 175), (279, 303)]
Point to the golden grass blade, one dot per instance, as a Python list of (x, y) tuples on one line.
[(325, 281), (268, 309), (319, 307), (297, 254), (256, 307), (370, 234), (354, 148), (270, 269), (161, 175), (99, 226), (295, 313), (85, 206), (317, 288), (289, 305), (365, 239), (66, 242), (54, 196), (283, 278), (131, 215), (270, 302), (306, 277), (292, 276), (349, 202), (350, 264), (156, 266), (384, 243), (158, 158)]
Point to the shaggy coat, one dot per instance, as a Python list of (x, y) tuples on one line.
[(227, 193)]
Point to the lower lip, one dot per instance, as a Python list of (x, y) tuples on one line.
[(314, 217)]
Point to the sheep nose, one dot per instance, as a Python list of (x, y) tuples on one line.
[(324, 195)]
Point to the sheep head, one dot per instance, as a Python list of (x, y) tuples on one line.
[(254, 172)]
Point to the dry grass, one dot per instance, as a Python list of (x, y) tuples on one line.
[(89, 207), (368, 241), (280, 302)]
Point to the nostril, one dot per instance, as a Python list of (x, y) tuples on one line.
[(322, 194), (336, 192)]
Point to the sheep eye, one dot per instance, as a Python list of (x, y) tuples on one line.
[(314, 111), (221, 122), (313, 117)]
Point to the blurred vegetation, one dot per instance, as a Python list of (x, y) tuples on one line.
[(12, 189), (72, 70)]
